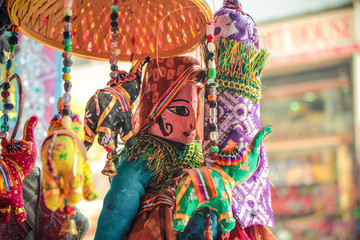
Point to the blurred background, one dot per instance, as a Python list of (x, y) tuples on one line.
[(310, 90)]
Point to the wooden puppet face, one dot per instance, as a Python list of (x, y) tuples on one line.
[(178, 121)]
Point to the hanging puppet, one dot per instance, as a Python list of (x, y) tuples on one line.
[(167, 123), (239, 64)]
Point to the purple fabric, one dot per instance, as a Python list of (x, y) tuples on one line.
[(232, 4), (231, 23), (238, 120)]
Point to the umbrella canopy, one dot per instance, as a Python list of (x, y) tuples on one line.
[(146, 27)]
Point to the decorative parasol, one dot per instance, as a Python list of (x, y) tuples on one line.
[(155, 28)]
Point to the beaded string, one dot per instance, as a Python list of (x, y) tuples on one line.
[(114, 38), (109, 169), (211, 85), (66, 111), (67, 62), (13, 41)]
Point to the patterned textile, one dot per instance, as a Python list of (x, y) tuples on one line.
[(172, 73), (163, 159), (238, 120), (203, 184), (41, 223), (155, 222), (232, 23), (238, 117)]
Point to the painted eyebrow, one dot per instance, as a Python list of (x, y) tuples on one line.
[(180, 100)]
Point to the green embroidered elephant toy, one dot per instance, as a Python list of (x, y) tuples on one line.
[(66, 172), (211, 186)]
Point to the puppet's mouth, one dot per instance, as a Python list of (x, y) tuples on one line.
[(188, 134)]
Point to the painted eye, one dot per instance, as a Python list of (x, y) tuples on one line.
[(180, 110)]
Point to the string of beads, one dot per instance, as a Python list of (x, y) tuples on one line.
[(211, 86), (67, 63), (13, 41), (114, 38)]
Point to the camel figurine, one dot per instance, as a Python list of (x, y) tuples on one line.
[(17, 160), (211, 186)]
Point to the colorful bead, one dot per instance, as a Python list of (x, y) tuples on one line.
[(214, 149), (115, 30), (66, 111), (113, 74), (211, 81), (67, 34), (67, 18), (212, 73), (66, 70), (213, 127), (8, 106), (114, 44), (214, 136), (5, 111), (68, 48), (211, 64), (114, 8), (67, 26), (66, 97), (6, 86), (114, 16), (213, 104), (5, 118), (11, 55), (213, 120), (113, 60), (66, 77), (212, 97), (66, 55), (114, 23), (8, 64), (211, 47), (5, 94), (4, 127), (68, 12), (211, 38), (11, 48), (213, 112), (67, 105), (67, 62), (7, 73), (114, 37), (116, 52), (13, 40), (67, 86), (113, 67), (210, 55), (213, 90)]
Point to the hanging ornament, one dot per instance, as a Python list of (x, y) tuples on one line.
[(62, 152), (13, 168)]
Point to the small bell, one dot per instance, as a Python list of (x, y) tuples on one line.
[(109, 169), (69, 227)]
